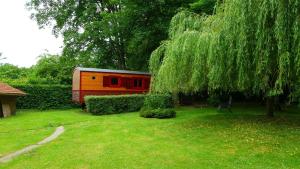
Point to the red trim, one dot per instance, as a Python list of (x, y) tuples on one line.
[(130, 80), (137, 87), (119, 81)]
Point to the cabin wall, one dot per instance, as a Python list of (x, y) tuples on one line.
[(76, 86), (76, 80), (94, 81)]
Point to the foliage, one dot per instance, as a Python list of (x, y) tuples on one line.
[(52, 69), (100, 105), (111, 34), (158, 101), (158, 113), (203, 6), (95, 37), (11, 73), (179, 65), (45, 97), (158, 106), (250, 46), (214, 100)]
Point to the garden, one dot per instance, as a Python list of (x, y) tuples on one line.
[(172, 84)]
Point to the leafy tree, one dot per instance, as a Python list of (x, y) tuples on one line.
[(251, 46), (203, 6), (111, 34), (52, 69), (13, 74)]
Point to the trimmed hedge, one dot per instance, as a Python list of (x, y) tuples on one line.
[(45, 97), (100, 105), (158, 113), (158, 101)]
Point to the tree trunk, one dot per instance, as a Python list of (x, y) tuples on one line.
[(121, 61), (270, 106), (122, 55)]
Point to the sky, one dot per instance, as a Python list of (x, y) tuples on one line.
[(21, 40)]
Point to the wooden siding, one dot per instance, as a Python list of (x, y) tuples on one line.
[(76, 80), (8, 106), (88, 83)]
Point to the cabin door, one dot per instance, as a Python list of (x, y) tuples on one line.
[(1, 110)]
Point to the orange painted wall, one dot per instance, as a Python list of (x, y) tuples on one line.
[(88, 83)]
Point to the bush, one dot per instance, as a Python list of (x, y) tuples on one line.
[(100, 105), (158, 113), (45, 97), (158, 106), (158, 101), (214, 100)]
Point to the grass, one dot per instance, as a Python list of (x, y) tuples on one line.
[(197, 138)]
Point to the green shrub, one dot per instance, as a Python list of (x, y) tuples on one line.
[(214, 100), (100, 105), (158, 106), (158, 101), (166, 113), (148, 113), (158, 113), (45, 97)]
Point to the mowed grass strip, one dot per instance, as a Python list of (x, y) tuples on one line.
[(197, 138)]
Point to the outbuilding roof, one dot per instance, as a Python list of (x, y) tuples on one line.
[(5, 89), (111, 71)]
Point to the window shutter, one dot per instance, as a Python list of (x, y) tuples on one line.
[(147, 83), (123, 82), (106, 81), (129, 83)]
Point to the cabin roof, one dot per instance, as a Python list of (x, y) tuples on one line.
[(5, 89), (81, 69)]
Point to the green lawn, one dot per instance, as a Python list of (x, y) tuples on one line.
[(197, 138)]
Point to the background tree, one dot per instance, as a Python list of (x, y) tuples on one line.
[(249, 46), (111, 34), (50, 69), (11, 74)]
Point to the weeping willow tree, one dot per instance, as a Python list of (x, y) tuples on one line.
[(180, 64), (247, 45)]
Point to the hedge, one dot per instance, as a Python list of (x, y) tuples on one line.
[(100, 105), (158, 113), (158, 106), (158, 101), (45, 97)]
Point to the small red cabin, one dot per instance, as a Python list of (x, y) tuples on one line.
[(91, 81)]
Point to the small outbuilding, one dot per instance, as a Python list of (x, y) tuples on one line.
[(8, 99), (92, 81)]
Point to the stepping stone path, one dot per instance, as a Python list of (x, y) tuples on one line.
[(9, 157)]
